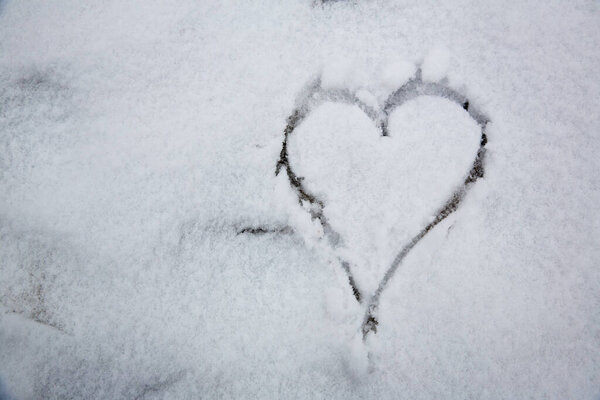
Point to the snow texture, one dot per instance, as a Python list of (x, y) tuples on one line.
[(436, 63), (373, 197), (147, 249)]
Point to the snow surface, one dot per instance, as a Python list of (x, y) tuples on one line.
[(380, 191), (436, 64), (137, 139)]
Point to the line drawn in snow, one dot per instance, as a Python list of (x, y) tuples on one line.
[(159, 386), (265, 229), (315, 95)]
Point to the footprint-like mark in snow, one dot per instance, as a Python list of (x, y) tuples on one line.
[(378, 180)]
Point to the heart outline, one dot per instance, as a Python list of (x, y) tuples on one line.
[(315, 95)]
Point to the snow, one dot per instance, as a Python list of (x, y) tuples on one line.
[(436, 64), (358, 358), (395, 74), (383, 190), (338, 74), (137, 141)]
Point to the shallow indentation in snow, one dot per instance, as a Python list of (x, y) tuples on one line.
[(380, 180)]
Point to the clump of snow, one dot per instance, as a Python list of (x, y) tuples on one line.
[(436, 63), (395, 74)]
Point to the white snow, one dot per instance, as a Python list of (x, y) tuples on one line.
[(358, 358), (436, 63), (367, 98), (137, 139), (395, 74), (381, 191), (345, 73)]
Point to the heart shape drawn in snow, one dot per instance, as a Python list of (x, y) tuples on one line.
[(377, 181)]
